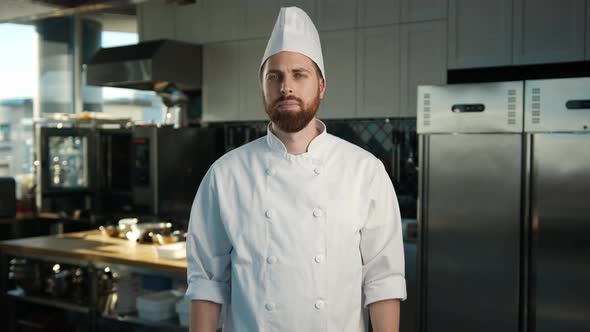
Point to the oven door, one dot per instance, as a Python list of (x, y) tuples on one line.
[(67, 161)]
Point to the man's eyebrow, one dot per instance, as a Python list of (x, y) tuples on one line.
[(273, 71), (295, 70), (301, 69)]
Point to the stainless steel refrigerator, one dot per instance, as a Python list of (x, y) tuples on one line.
[(557, 122), (470, 207)]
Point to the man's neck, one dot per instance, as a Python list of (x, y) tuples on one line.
[(297, 143)]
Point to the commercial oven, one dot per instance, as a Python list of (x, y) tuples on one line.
[(85, 169), (168, 165)]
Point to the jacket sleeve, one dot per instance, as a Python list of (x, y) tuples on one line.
[(381, 242), (208, 247)]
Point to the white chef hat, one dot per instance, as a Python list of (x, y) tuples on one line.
[(295, 32)]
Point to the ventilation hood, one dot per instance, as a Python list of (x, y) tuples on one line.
[(25, 11), (150, 65)]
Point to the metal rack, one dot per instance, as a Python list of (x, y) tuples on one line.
[(91, 310)]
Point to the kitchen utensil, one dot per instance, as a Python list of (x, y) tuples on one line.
[(110, 230), (25, 275), (140, 232), (125, 225), (59, 282)]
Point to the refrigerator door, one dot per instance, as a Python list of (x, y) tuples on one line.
[(557, 105), (470, 108), (560, 270), (471, 230)]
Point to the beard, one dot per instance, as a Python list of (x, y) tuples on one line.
[(292, 121)]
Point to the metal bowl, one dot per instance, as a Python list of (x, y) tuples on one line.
[(140, 232), (125, 226), (109, 230)]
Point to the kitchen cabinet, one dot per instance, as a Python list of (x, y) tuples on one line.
[(156, 20), (423, 10), (336, 14), (339, 61), (378, 12), (480, 33), (192, 23), (251, 106), (423, 60), (259, 17), (547, 31), (221, 81), (378, 72), (225, 19)]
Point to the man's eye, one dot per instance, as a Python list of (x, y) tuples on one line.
[(272, 77), (300, 75)]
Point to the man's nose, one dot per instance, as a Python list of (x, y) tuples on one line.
[(286, 87)]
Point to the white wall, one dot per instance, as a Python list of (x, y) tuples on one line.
[(376, 52), (364, 52)]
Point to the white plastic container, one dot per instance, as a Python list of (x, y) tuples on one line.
[(158, 306), (171, 251)]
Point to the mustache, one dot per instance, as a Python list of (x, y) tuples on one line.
[(285, 98)]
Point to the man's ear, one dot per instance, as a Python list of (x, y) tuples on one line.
[(322, 87)]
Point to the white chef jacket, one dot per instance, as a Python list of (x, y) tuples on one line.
[(296, 242)]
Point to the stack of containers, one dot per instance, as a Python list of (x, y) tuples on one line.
[(128, 289), (158, 306)]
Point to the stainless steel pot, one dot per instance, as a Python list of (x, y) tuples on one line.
[(141, 232)]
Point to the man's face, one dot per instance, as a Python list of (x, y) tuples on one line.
[(291, 89)]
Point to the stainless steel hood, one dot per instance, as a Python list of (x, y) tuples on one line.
[(150, 65)]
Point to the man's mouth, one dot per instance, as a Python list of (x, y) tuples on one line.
[(287, 105)]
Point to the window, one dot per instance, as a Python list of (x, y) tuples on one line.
[(18, 89), (39, 80), (4, 132)]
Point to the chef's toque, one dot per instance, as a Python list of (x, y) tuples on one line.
[(295, 32)]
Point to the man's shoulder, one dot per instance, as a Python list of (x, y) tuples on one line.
[(349, 150), (353, 158)]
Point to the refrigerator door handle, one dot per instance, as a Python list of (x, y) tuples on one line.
[(467, 108), (578, 104)]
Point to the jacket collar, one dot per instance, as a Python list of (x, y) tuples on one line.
[(314, 148)]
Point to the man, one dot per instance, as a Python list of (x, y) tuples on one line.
[(298, 230)]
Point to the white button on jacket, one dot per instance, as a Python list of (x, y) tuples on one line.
[(269, 214), (317, 212), (257, 245)]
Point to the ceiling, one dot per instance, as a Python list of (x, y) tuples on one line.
[(26, 10), (13, 9), (119, 15), (113, 15)]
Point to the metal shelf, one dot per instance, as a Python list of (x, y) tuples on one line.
[(50, 302)]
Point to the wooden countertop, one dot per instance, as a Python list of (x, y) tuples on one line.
[(92, 246)]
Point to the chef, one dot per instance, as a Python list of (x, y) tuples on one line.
[(298, 230)]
